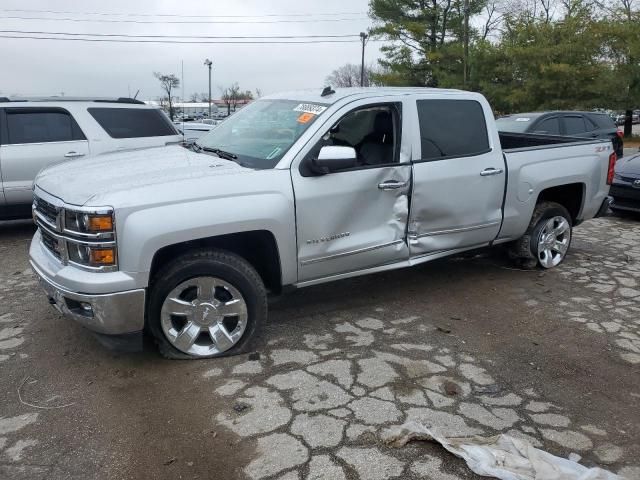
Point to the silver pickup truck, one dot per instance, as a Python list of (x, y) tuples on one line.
[(294, 190)]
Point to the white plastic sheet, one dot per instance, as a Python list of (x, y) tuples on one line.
[(500, 456)]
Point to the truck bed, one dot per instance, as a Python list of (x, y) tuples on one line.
[(539, 162), (513, 141)]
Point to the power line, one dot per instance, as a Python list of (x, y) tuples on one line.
[(101, 20), (203, 37), (62, 12), (248, 42)]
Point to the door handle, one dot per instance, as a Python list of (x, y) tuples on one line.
[(73, 155), (392, 185), (491, 171)]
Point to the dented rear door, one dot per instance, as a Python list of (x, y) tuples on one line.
[(458, 176)]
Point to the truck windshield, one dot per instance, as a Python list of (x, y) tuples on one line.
[(261, 133)]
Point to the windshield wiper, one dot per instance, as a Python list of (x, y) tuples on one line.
[(220, 153)]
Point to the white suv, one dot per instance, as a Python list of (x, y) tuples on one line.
[(38, 132)]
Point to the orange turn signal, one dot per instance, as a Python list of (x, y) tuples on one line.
[(100, 223), (103, 256)]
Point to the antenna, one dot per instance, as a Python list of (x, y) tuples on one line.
[(182, 67), (136, 95), (327, 91)]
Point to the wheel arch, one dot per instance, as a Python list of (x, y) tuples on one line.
[(571, 196), (258, 247)]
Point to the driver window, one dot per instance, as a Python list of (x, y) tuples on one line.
[(371, 131)]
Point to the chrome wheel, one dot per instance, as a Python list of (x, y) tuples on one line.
[(204, 316), (553, 241)]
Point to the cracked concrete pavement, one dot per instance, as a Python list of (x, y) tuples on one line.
[(467, 345)]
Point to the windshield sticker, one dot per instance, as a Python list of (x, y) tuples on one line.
[(310, 108), (306, 117), (523, 119)]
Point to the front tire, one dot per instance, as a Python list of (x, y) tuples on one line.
[(547, 239), (205, 304)]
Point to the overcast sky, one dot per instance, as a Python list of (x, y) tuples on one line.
[(49, 67)]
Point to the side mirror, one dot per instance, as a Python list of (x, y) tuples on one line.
[(334, 158)]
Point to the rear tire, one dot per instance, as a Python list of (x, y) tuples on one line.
[(547, 238), (206, 304)]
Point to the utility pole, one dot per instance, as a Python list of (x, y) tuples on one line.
[(363, 37), (208, 63), (465, 59)]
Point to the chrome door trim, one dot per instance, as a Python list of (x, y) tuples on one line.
[(351, 252), (454, 230)]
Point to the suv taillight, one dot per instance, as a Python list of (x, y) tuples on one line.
[(612, 167)]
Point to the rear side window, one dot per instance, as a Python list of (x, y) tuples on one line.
[(33, 125), (603, 121), (550, 126), (133, 122), (575, 125), (452, 128)]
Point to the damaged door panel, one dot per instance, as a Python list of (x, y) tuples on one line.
[(458, 183), (353, 219)]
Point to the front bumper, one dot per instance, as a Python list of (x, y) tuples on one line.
[(105, 313), (625, 197)]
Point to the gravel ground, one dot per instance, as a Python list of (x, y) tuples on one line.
[(467, 345)]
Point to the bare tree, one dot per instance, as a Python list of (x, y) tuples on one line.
[(627, 9), (348, 75), (547, 9), (232, 96), (493, 18), (168, 82), (193, 98)]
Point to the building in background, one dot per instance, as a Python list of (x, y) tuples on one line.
[(201, 109)]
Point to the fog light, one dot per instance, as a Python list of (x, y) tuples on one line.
[(102, 256), (86, 308)]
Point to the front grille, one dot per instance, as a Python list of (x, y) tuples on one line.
[(51, 243), (629, 179), (47, 210), (630, 193)]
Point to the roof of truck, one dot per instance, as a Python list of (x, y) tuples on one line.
[(315, 95)]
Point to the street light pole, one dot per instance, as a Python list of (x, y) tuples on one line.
[(208, 63), (363, 37), (465, 53)]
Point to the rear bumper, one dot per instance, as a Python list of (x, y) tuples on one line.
[(604, 208)]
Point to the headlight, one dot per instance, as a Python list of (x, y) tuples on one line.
[(92, 256), (88, 222), (91, 238)]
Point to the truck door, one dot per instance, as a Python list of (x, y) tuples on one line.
[(458, 176), (355, 219), (35, 138)]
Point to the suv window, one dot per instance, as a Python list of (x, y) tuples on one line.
[(452, 128), (575, 125), (133, 122), (550, 126), (602, 120), (41, 125)]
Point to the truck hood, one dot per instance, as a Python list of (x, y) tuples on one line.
[(81, 181), (629, 166)]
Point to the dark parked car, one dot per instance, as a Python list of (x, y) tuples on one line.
[(625, 189), (570, 124)]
